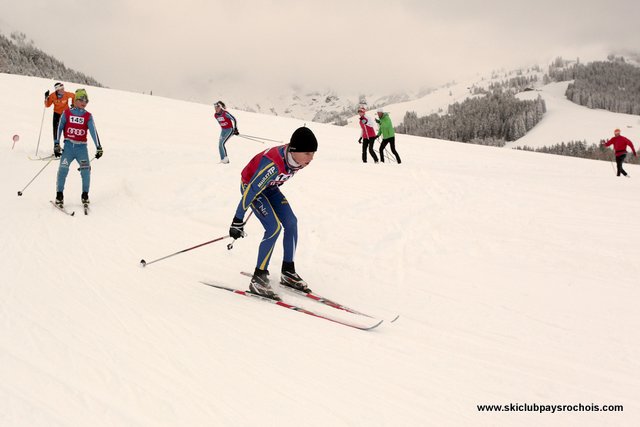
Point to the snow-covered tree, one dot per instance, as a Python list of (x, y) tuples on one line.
[(18, 55)]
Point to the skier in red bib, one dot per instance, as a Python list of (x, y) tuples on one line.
[(260, 187), (75, 124), (228, 125)]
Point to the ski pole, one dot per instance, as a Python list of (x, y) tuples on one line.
[(393, 159), (251, 139), (144, 263), (602, 146), (32, 179), (259, 137), (40, 133), (611, 157)]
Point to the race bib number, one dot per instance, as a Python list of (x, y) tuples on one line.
[(280, 179)]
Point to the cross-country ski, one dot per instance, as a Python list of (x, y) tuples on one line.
[(296, 308), (47, 158), (62, 208), (315, 297)]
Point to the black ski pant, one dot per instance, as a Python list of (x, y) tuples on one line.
[(367, 144), (619, 162), (392, 144), (56, 121)]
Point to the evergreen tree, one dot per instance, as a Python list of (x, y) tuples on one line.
[(494, 118), (580, 149), (18, 55), (612, 85)]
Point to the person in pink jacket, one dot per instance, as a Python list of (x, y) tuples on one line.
[(620, 144), (368, 136)]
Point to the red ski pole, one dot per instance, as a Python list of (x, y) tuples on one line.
[(144, 263)]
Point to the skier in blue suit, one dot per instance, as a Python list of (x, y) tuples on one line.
[(260, 187), (74, 125)]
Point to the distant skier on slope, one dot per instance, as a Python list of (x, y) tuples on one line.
[(368, 136), (261, 179), (228, 125), (388, 135), (60, 101), (74, 124), (620, 144)]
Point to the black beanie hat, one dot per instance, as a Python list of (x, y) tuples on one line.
[(303, 141)]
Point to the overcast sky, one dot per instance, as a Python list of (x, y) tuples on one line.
[(197, 49)]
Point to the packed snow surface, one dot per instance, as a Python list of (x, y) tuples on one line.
[(515, 275)]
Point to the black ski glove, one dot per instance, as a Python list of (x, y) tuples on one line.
[(99, 153), (237, 228), (236, 132), (46, 94), (360, 140), (57, 151)]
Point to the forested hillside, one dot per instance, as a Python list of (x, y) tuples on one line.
[(19, 56), (491, 119), (612, 85), (581, 149)]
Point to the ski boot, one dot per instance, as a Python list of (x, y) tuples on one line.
[(259, 285), (59, 199), (291, 279), (85, 198)]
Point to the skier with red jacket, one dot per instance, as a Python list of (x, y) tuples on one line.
[(260, 187), (368, 136), (620, 144)]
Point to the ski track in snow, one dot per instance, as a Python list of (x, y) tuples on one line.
[(514, 274)]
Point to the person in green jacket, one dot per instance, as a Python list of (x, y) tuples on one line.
[(388, 135)]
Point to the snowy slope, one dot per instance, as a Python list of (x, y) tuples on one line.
[(515, 275), (438, 100), (566, 121)]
